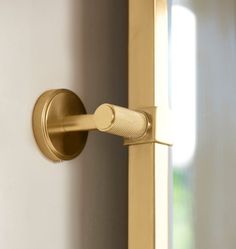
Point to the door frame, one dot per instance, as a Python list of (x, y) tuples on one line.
[(148, 163)]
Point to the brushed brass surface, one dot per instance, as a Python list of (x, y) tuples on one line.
[(122, 121), (60, 124), (104, 117), (160, 130), (50, 108), (148, 162), (107, 118), (82, 122)]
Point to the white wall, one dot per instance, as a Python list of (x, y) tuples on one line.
[(75, 44)]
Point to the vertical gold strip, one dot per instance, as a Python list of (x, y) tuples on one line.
[(161, 151), (148, 163), (161, 53), (141, 53), (161, 197)]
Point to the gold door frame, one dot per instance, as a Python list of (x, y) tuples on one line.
[(148, 163)]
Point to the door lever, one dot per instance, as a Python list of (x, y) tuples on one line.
[(61, 125), (108, 118)]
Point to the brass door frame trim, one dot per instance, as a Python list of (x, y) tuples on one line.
[(148, 163)]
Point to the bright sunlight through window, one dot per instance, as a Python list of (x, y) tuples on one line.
[(183, 81), (183, 100)]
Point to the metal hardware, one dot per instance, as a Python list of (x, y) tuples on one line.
[(160, 130), (61, 125), (148, 162), (51, 107)]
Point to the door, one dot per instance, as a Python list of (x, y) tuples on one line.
[(82, 46)]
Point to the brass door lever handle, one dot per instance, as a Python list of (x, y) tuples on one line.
[(61, 125), (108, 118)]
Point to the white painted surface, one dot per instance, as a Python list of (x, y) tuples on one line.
[(80, 45)]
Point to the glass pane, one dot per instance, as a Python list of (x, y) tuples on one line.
[(203, 88)]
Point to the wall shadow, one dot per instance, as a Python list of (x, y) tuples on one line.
[(99, 184)]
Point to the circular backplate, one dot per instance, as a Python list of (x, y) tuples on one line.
[(50, 108)]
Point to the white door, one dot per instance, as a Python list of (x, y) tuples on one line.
[(80, 45)]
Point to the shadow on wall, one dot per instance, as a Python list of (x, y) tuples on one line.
[(99, 213)]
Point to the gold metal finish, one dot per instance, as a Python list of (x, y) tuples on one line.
[(60, 124), (104, 117), (107, 118), (50, 109), (160, 130), (121, 121), (148, 162), (73, 123)]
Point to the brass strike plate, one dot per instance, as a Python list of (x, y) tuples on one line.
[(51, 107), (161, 130)]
